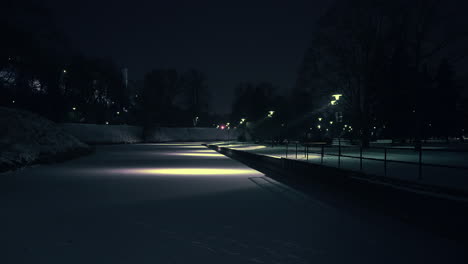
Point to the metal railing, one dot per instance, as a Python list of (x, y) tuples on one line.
[(321, 149)]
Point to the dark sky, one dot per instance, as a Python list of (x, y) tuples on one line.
[(230, 41)]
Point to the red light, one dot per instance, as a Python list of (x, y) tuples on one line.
[(222, 127)]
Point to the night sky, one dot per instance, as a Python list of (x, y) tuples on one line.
[(230, 41)]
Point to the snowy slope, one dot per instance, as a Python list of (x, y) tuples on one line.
[(27, 138)]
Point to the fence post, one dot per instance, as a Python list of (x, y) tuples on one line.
[(321, 156), (287, 144), (339, 152), (360, 158), (307, 153), (296, 150), (305, 146), (420, 164), (385, 162)]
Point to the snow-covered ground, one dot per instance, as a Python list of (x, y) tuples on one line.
[(27, 138), (454, 178), (182, 203)]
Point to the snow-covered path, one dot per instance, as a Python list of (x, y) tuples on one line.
[(183, 203)]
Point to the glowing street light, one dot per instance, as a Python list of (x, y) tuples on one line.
[(118, 112), (337, 96), (320, 119), (74, 108), (318, 126), (331, 122), (271, 113)]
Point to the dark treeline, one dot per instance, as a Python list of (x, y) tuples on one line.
[(42, 72), (398, 65)]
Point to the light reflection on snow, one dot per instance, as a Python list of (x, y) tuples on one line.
[(189, 171), (204, 151), (187, 146), (199, 154), (249, 147), (176, 144)]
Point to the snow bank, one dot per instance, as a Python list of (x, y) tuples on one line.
[(105, 134), (118, 134), (27, 138), (164, 134)]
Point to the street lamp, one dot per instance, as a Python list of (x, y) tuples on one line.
[(337, 96), (271, 113)]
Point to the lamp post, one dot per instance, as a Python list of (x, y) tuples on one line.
[(338, 117)]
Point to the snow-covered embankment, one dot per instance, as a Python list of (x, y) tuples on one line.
[(104, 134), (27, 138)]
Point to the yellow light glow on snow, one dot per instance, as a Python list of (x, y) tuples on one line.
[(192, 171), (204, 151), (199, 154), (250, 148), (177, 144)]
